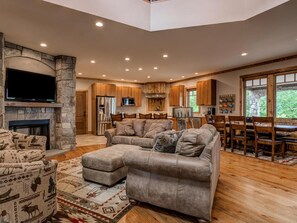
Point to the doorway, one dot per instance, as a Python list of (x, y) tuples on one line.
[(81, 112)]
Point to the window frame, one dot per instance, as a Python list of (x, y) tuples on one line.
[(271, 91), (188, 98)]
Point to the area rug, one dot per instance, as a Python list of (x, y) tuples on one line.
[(288, 160), (80, 201)]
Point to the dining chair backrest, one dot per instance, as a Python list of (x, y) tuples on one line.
[(264, 125), (219, 121), (237, 123)]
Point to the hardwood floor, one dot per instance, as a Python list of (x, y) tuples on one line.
[(249, 190)]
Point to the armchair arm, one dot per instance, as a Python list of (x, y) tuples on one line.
[(109, 133), (169, 164), (23, 141)]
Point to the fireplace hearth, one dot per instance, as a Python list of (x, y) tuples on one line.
[(32, 127)]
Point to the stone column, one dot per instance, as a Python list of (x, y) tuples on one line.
[(65, 117), (2, 80)]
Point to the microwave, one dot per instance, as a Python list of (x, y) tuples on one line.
[(128, 102)]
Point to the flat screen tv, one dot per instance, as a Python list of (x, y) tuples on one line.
[(28, 86)]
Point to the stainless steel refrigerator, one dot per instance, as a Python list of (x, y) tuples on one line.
[(104, 107)]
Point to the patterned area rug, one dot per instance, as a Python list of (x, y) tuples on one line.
[(86, 202), (288, 160)]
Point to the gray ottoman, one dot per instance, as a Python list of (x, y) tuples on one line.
[(105, 166)]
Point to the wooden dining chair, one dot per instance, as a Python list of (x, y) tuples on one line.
[(238, 131), (209, 119), (265, 135), (219, 121)]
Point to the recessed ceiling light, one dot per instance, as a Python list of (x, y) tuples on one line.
[(79, 73), (43, 44), (183, 76), (171, 79), (99, 24), (196, 73), (135, 80), (244, 54), (165, 55), (139, 68), (127, 59), (127, 70), (93, 61), (148, 76), (155, 68), (122, 79), (103, 75)]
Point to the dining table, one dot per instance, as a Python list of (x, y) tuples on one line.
[(277, 127)]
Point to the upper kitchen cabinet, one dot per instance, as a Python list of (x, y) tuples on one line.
[(177, 96), (101, 89), (155, 88), (206, 92), (137, 95)]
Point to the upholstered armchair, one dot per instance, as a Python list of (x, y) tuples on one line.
[(27, 182)]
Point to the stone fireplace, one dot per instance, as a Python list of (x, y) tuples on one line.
[(25, 116)]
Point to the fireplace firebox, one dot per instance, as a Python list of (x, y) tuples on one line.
[(32, 127)]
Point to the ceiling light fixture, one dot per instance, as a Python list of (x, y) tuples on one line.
[(122, 79), (148, 76), (183, 76), (79, 73), (244, 54), (196, 73), (99, 24), (93, 61), (127, 70), (165, 55), (171, 79), (103, 75), (135, 80), (43, 44), (139, 68), (155, 68), (127, 59)]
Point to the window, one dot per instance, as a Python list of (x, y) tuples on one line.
[(286, 94), (256, 97), (192, 100)]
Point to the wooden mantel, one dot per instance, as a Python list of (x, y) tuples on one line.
[(32, 104)]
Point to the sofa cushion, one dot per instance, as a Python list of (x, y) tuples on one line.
[(193, 141), (154, 129), (125, 128), (167, 123), (6, 140), (21, 156), (211, 128), (138, 126), (166, 141), (122, 140)]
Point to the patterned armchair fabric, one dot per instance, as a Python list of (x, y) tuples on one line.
[(27, 184)]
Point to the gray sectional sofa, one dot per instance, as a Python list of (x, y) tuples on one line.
[(183, 183), (138, 132)]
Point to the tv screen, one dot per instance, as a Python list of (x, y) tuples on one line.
[(28, 86)]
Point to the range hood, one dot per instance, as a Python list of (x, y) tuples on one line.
[(155, 95)]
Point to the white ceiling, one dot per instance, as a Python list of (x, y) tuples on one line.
[(202, 49)]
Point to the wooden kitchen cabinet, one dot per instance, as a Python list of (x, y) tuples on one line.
[(159, 87), (100, 89), (177, 96), (128, 92), (206, 92), (137, 95)]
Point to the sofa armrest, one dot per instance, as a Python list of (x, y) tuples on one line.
[(168, 164), (109, 133), (23, 141)]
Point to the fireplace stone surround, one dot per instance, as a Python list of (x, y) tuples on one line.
[(61, 118)]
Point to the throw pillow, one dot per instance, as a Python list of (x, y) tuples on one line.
[(130, 116), (166, 141), (193, 141), (154, 129), (146, 116), (138, 126), (124, 128)]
